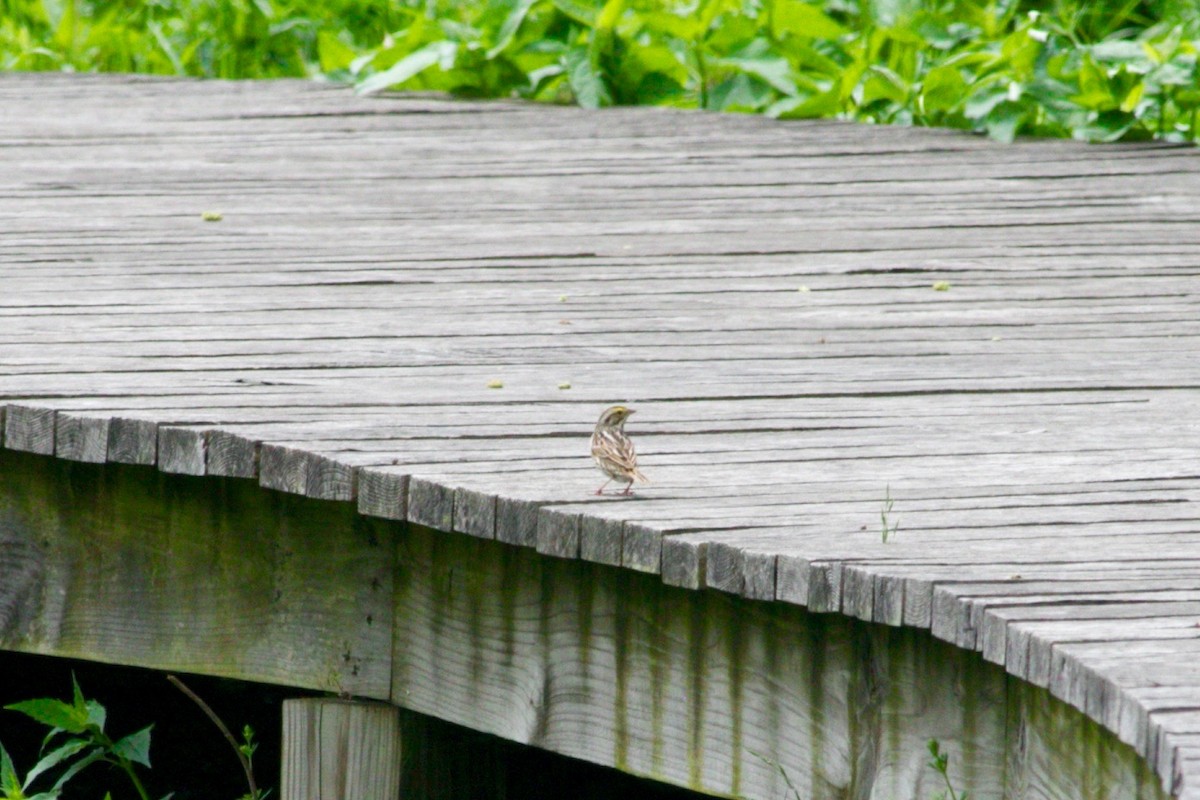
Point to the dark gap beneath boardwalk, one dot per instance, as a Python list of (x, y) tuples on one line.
[(192, 759)]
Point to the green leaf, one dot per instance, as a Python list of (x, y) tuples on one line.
[(825, 104), (586, 82), (942, 89), (1094, 91), (580, 12), (607, 19), (1187, 99), (508, 28), (96, 715), (657, 89), (1133, 98), (332, 53), (883, 84), (1109, 126), (666, 23), (1005, 121), (135, 747), (10, 783), (983, 100), (54, 714), (803, 20), (739, 93), (55, 757), (775, 71), (409, 67)]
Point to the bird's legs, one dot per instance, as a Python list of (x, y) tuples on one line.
[(628, 488), (606, 483)]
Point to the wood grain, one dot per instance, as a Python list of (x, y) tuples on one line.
[(760, 291)]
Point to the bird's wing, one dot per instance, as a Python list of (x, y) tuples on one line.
[(616, 449)]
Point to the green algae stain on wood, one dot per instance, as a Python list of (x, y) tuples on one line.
[(219, 576), (697, 644), (206, 575)]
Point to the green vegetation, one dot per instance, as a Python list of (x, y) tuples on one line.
[(940, 763), (890, 526), (1098, 71), (78, 738), (244, 749)]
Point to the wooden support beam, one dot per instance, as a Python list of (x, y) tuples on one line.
[(337, 749)]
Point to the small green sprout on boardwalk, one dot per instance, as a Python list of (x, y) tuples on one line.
[(495, 384), (941, 286), (211, 216), (77, 733), (889, 526), (941, 765)]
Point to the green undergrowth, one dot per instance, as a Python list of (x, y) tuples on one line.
[(1100, 71)]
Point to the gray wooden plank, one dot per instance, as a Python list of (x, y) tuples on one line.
[(132, 441), (181, 450), (81, 438), (1031, 422), (30, 429), (383, 493)]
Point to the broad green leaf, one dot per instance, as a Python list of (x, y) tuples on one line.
[(585, 80), (638, 66), (135, 747), (1004, 121), (1094, 91), (659, 89), (609, 15), (826, 104), (666, 23), (774, 71), (579, 11), (54, 714), (96, 715), (739, 93), (759, 59), (1133, 97), (883, 84), (942, 89), (1187, 99), (801, 19), (1109, 126), (808, 60), (983, 99), (333, 53), (1122, 51), (409, 67)]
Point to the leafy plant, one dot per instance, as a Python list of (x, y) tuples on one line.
[(1099, 71), (79, 740), (940, 764), (244, 749)]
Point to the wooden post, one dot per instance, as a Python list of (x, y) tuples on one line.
[(340, 750)]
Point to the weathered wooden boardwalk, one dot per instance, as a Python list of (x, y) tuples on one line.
[(421, 305)]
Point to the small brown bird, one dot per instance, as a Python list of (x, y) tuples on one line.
[(613, 450)]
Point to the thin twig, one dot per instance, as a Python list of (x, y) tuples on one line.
[(224, 730)]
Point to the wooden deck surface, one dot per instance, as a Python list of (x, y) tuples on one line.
[(761, 292)]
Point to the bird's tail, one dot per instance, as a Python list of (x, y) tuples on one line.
[(639, 477)]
